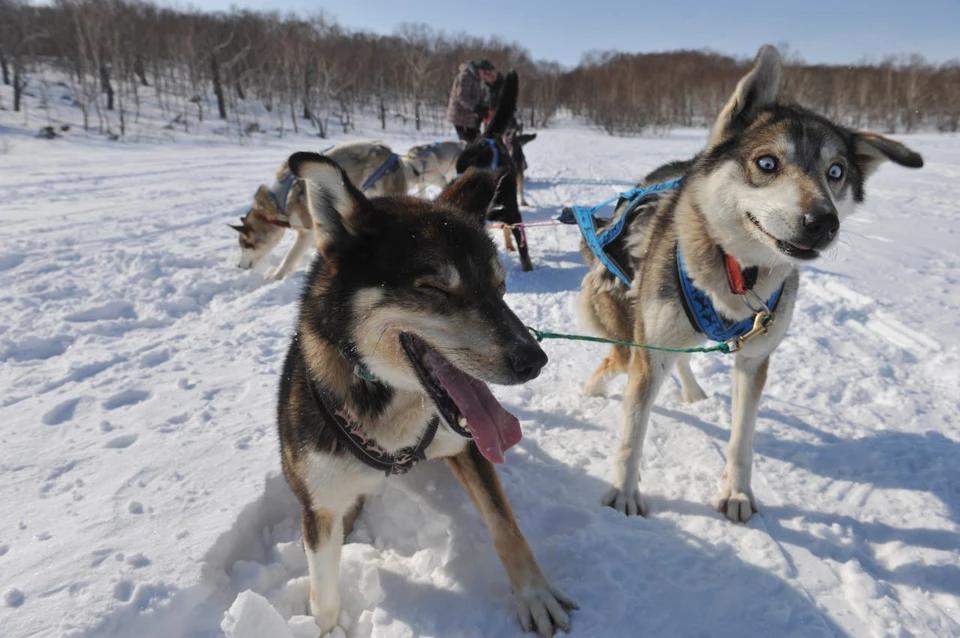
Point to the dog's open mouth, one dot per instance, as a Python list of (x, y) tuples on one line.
[(786, 247), (464, 402)]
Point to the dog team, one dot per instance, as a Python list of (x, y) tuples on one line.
[(403, 323)]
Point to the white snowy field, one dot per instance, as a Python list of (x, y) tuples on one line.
[(140, 492)]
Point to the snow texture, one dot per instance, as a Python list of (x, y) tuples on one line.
[(141, 493)]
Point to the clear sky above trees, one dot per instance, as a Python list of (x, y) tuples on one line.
[(836, 31)]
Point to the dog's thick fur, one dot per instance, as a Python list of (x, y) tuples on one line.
[(728, 203), (389, 268), (262, 228), (480, 154)]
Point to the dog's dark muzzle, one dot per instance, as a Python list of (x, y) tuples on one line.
[(526, 360), (820, 226), (523, 356)]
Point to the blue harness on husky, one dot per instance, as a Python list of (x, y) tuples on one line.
[(281, 190), (584, 218), (388, 165), (699, 308), (704, 316)]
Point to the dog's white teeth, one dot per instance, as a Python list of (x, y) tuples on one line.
[(462, 421)]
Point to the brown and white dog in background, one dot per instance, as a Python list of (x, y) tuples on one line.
[(283, 206)]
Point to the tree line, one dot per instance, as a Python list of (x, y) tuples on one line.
[(309, 72)]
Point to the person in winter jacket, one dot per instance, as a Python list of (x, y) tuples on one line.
[(471, 98)]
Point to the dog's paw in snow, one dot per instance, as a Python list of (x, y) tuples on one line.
[(629, 502), (543, 609), (328, 618), (596, 386), (736, 505)]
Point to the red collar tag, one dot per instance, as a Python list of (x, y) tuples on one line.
[(734, 275)]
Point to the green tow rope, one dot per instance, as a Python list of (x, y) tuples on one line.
[(543, 334)]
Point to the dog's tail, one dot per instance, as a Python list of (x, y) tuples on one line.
[(506, 107)]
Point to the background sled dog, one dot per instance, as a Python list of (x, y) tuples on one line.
[(769, 191), (283, 206), (431, 164), (489, 151), (402, 320)]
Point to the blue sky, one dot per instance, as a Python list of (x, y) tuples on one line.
[(562, 30)]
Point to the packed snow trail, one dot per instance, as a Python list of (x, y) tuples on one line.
[(141, 490)]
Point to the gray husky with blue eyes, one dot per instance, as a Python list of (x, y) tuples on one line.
[(768, 193)]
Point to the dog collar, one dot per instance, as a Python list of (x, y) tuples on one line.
[(703, 314), (366, 450)]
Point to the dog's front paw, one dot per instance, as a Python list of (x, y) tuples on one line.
[(594, 388), (625, 501), (736, 505), (543, 609), (327, 617)]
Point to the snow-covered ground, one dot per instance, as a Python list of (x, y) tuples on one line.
[(140, 492)]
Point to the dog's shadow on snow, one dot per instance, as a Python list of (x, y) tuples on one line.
[(627, 574), (890, 459)]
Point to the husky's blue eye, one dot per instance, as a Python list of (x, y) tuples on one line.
[(835, 172), (767, 163)]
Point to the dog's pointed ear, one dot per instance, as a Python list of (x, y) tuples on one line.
[(471, 193), (236, 227), (758, 89), (336, 205), (872, 150), (526, 138)]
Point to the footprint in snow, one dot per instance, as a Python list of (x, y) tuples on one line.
[(13, 597), (33, 348), (123, 590), (127, 397), (61, 413), (122, 441)]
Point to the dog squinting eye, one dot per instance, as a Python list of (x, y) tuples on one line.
[(431, 289), (835, 172), (767, 163)]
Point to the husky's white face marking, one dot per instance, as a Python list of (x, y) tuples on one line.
[(777, 200)]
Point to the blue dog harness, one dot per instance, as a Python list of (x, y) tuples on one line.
[(281, 190), (699, 308), (585, 220), (388, 165), (704, 316)]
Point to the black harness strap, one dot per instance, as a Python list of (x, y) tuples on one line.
[(365, 449)]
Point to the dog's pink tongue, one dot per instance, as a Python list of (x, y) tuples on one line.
[(494, 429)]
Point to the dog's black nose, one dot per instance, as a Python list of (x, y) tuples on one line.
[(526, 360), (820, 226)]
